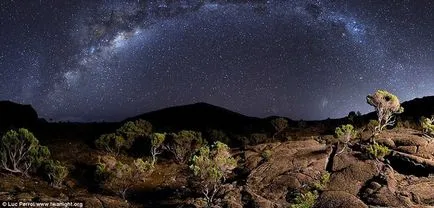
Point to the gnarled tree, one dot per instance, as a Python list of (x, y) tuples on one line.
[(157, 140), (386, 105)]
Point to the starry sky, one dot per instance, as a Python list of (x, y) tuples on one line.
[(93, 60)]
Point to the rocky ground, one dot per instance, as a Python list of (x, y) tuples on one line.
[(403, 179)]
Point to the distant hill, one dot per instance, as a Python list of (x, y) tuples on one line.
[(418, 107), (202, 116), (16, 115)]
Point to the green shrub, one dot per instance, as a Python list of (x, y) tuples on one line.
[(427, 126), (132, 130), (377, 151), (386, 105), (210, 167), (266, 154), (56, 172), (344, 134), (124, 137), (119, 177), (184, 144), (323, 181), (20, 152), (112, 143), (306, 200)]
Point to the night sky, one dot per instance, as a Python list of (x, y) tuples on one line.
[(86, 60)]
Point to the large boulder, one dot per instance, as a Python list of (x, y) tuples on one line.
[(339, 199), (408, 141), (349, 173)]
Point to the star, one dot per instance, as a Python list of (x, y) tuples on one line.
[(91, 60)]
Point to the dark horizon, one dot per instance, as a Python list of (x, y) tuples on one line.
[(215, 106), (311, 60)]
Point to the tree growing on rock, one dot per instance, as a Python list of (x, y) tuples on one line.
[(428, 126), (377, 151), (344, 134), (279, 124), (21, 152), (210, 167), (386, 105), (120, 177)]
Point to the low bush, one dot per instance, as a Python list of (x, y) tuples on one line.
[(111, 143), (124, 137), (305, 200), (266, 154), (119, 177), (427, 126), (323, 181), (377, 151), (344, 134), (184, 144), (20, 152), (210, 167), (56, 172)]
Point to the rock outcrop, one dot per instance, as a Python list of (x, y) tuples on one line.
[(291, 166)]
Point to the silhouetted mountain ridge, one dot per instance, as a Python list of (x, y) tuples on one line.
[(418, 107), (17, 115), (201, 116)]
